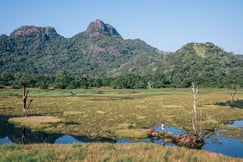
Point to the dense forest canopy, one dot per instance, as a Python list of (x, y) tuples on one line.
[(100, 56)]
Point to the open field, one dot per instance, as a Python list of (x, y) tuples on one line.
[(117, 114)]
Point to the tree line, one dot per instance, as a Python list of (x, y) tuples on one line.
[(65, 81)]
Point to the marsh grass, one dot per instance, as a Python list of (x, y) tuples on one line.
[(112, 113), (107, 152), (103, 112)]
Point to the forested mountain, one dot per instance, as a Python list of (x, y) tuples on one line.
[(100, 50), (101, 53), (204, 63)]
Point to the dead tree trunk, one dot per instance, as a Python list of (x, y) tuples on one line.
[(25, 96), (194, 111), (232, 94), (188, 139)]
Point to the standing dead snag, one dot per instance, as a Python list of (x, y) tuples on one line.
[(191, 140), (25, 96), (194, 111), (232, 94)]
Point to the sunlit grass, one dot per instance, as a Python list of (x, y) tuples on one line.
[(131, 133), (107, 152), (35, 121)]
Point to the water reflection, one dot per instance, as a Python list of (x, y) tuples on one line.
[(26, 136), (11, 134), (123, 141), (23, 135), (67, 139), (5, 140), (236, 123), (223, 145)]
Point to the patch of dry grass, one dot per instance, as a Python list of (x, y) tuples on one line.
[(131, 133), (35, 121)]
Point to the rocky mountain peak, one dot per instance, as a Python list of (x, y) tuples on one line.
[(98, 26), (33, 31), (50, 31)]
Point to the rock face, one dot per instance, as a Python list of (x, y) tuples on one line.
[(97, 27), (32, 31)]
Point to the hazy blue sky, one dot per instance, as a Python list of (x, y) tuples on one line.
[(164, 24)]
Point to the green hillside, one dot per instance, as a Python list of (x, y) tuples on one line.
[(204, 63), (100, 56), (97, 51)]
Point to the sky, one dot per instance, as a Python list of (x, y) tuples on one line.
[(164, 24)]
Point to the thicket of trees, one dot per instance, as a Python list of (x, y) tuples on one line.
[(65, 81)]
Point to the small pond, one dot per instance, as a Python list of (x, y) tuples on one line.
[(218, 144)]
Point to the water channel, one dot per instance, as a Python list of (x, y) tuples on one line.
[(9, 134)]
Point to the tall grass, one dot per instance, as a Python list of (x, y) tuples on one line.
[(108, 152)]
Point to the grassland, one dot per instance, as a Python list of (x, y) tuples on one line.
[(117, 114)]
